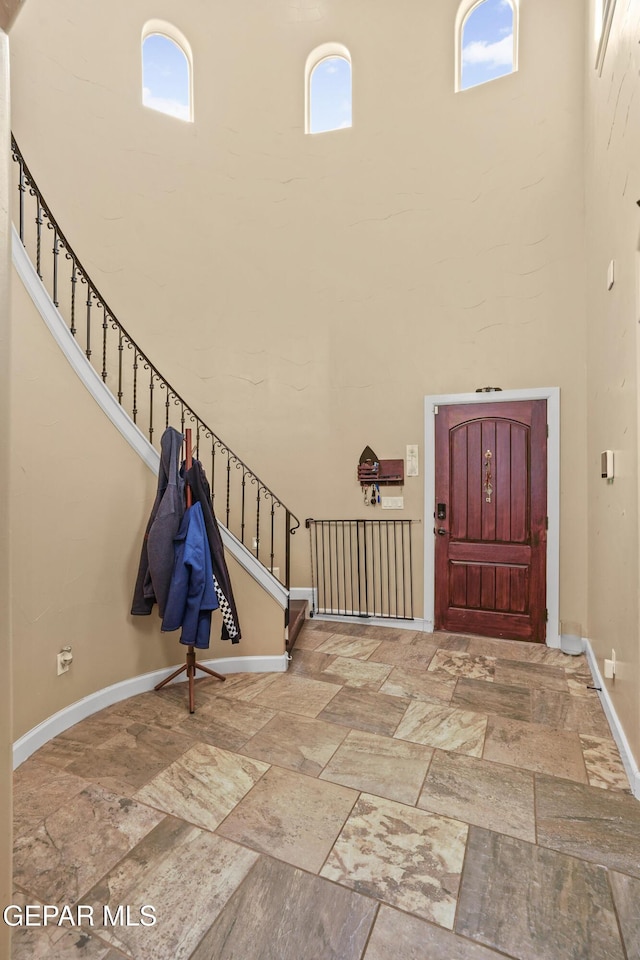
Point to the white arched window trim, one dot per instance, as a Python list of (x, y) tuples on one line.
[(166, 29), (323, 52), (465, 10)]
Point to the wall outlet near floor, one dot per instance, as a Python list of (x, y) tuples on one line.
[(610, 666), (64, 659)]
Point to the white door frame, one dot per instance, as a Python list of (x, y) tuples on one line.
[(552, 396)]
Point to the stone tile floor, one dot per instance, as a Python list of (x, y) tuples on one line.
[(394, 796)]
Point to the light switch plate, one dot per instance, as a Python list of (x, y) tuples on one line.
[(392, 503), (412, 459)]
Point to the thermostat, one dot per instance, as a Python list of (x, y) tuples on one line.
[(606, 462)]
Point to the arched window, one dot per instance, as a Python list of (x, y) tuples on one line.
[(166, 70), (486, 41), (328, 89)]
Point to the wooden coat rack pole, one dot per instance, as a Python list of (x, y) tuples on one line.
[(191, 665)]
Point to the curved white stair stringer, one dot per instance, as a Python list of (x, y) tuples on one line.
[(120, 419)]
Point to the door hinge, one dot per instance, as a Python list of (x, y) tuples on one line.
[(546, 615), (546, 523), (435, 409), (547, 431)]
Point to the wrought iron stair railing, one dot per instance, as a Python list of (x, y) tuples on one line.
[(249, 509)]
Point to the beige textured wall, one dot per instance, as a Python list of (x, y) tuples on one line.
[(80, 505), (6, 737), (306, 292), (613, 232)]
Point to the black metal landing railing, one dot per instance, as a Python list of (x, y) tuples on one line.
[(246, 505), (362, 568)]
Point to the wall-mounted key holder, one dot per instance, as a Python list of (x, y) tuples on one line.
[(382, 472)]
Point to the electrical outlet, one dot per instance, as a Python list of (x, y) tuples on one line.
[(610, 666), (254, 543), (63, 660)]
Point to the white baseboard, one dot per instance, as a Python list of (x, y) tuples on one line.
[(417, 624), (52, 726), (302, 593), (619, 735)]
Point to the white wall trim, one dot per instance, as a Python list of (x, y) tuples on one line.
[(119, 418), (619, 735), (75, 712), (417, 624), (303, 593), (552, 396)]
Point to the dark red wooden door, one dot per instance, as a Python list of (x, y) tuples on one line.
[(491, 519)]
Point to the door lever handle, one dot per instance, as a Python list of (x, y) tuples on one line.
[(441, 532)]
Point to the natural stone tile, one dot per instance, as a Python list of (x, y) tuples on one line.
[(535, 747), (502, 649), (298, 743), (403, 856), (203, 785), (281, 913), (504, 699), (603, 763), (293, 694), (92, 732), (39, 789), (78, 843), (308, 638), (403, 937), (587, 716), (626, 896), (309, 663), (380, 765), (580, 683), (224, 723), (451, 641), (156, 708), (291, 817), (485, 794), (448, 663), (186, 874), (364, 710), (552, 708), (438, 725), (405, 655), (134, 755), (239, 686), (531, 674), (583, 821), (357, 648), (417, 685), (533, 903), (357, 673), (50, 941)]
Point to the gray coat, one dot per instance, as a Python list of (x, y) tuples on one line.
[(156, 558)]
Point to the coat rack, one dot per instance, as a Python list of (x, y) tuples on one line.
[(191, 665)]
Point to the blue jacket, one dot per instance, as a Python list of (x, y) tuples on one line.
[(192, 594)]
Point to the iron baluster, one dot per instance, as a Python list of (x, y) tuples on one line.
[(167, 405), (287, 549), (242, 523), (74, 280), (21, 189), (229, 486), (258, 525), (56, 252), (135, 387), (38, 232), (272, 555), (104, 344), (120, 351), (151, 405), (88, 340)]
